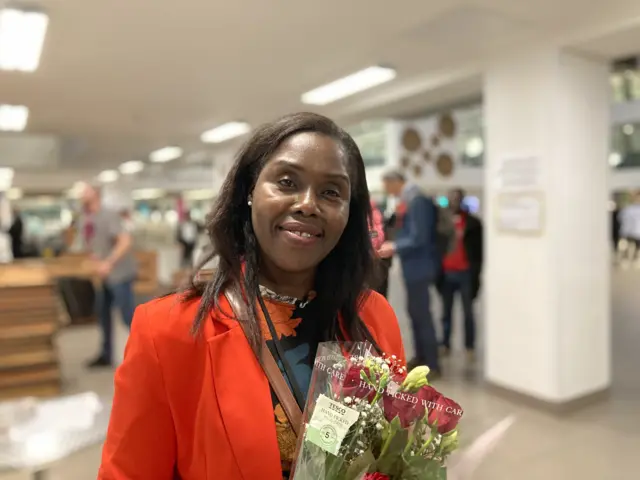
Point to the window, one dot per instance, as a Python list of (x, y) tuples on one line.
[(371, 138)]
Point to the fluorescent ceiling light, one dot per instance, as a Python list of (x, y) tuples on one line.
[(225, 132), (6, 178), (21, 38), (165, 154), (6, 172), (108, 176), (13, 118), (131, 167), (350, 85), (14, 194), (147, 193)]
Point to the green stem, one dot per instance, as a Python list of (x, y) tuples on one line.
[(387, 442), (426, 444), (412, 437)]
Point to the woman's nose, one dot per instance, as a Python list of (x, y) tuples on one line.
[(307, 203)]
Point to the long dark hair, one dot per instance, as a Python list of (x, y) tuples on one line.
[(341, 278)]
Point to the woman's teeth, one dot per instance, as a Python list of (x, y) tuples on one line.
[(303, 234)]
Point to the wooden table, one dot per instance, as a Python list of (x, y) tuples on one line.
[(30, 316), (31, 313)]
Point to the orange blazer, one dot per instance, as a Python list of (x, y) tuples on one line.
[(199, 408)]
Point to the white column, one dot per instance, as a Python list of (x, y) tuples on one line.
[(546, 293)]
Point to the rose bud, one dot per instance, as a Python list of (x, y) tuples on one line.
[(416, 379), (447, 414)]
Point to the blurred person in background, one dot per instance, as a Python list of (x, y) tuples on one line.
[(127, 220), (630, 227), (104, 236), (615, 226), (461, 268), (376, 230), (389, 224), (290, 227), (16, 234), (415, 244), (188, 231), (376, 227)]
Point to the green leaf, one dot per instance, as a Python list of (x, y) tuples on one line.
[(390, 460), (419, 468), (360, 465)]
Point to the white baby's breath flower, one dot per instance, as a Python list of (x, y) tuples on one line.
[(379, 426), (348, 400)]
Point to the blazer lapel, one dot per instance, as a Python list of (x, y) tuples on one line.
[(244, 397)]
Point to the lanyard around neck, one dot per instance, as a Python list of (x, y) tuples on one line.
[(288, 371)]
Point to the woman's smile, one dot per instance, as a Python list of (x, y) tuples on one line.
[(300, 234), (297, 238)]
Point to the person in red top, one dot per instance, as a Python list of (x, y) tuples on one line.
[(461, 267), (376, 227)]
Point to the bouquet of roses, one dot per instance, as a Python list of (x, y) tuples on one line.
[(367, 418)]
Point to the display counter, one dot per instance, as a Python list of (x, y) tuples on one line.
[(30, 316), (32, 310), (79, 265)]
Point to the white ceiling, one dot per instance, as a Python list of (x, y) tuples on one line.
[(119, 79)]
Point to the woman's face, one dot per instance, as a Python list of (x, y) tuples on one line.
[(300, 203)]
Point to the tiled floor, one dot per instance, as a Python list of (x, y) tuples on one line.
[(599, 443)]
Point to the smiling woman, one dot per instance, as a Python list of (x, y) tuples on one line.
[(195, 397)]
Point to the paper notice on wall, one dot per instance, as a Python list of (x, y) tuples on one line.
[(519, 173), (520, 213)]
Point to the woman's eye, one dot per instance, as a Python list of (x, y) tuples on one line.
[(287, 183), (332, 193)]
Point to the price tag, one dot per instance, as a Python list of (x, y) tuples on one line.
[(330, 423)]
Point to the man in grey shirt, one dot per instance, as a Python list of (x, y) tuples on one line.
[(110, 244)]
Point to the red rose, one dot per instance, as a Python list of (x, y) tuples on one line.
[(407, 407), (447, 413), (353, 385), (375, 476), (427, 395)]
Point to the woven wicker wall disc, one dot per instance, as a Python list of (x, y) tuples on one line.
[(447, 126), (411, 140), (444, 165)]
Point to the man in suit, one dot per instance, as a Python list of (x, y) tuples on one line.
[(415, 244), (16, 232), (461, 268)]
